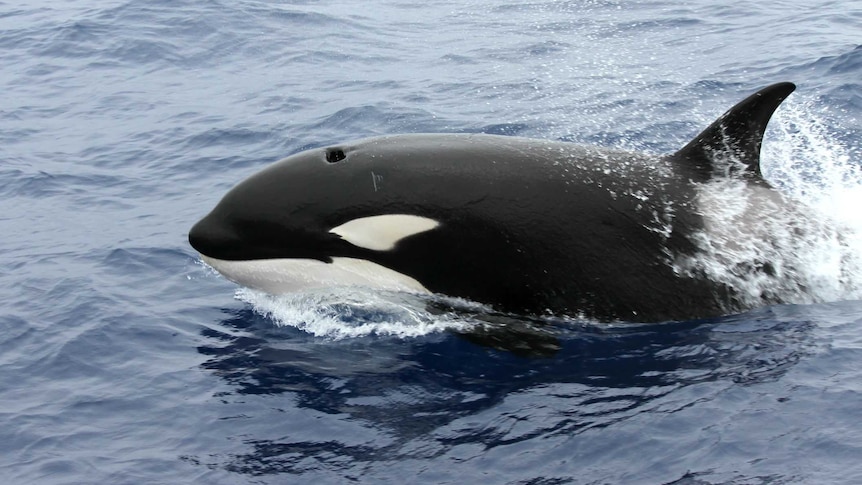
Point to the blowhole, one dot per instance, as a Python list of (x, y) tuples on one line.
[(335, 155)]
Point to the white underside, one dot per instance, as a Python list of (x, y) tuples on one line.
[(277, 276)]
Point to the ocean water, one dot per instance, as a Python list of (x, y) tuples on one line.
[(124, 359)]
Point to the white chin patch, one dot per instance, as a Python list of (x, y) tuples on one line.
[(276, 276), (382, 233)]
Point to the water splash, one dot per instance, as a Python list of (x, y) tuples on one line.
[(805, 160), (808, 163), (352, 312), (803, 246)]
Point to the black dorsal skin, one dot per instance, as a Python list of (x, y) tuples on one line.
[(527, 226)]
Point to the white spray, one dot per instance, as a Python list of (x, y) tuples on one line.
[(803, 245)]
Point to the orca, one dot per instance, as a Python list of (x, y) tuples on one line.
[(525, 226)]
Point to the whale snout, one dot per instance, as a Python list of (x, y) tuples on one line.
[(214, 240)]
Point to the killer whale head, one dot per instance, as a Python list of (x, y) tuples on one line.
[(523, 225)]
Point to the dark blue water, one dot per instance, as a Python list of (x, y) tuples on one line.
[(123, 359)]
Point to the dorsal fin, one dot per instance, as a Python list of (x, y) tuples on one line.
[(737, 134)]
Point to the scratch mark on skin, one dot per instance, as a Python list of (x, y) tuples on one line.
[(374, 179)]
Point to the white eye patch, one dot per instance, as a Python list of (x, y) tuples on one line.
[(382, 233)]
